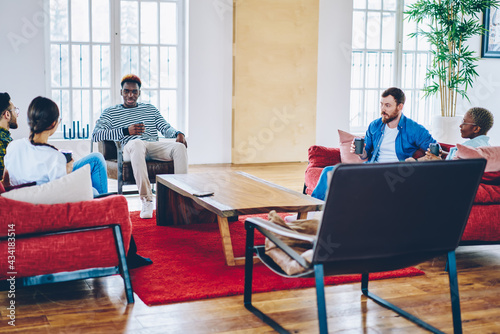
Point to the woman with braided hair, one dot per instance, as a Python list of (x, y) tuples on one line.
[(33, 159)]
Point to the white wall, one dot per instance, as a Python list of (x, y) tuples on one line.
[(334, 70), (22, 59), (22, 74), (210, 81), (486, 90)]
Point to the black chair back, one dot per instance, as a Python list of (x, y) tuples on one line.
[(387, 216)]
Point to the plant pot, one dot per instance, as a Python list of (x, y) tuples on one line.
[(447, 129)]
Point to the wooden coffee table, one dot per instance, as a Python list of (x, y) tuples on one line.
[(235, 194)]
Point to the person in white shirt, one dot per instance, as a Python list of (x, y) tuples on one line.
[(33, 159)]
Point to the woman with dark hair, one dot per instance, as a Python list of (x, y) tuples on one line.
[(34, 160)]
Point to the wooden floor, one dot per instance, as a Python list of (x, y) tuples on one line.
[(99, 306)]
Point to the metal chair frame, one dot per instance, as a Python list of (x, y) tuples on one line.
[(350, 258), (121, 269)]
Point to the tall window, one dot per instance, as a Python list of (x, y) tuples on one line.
[(383, 56), (93, 43)]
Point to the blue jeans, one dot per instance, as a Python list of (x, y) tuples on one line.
[(98, 172), (320, 191)]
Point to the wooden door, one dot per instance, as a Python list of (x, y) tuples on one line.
[(274, 80)]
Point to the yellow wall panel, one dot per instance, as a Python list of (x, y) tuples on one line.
[(275, 77)]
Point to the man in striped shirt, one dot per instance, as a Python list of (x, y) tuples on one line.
[(136, 126)]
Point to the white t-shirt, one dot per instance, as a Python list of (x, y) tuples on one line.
[(387, 151), (33, 163)]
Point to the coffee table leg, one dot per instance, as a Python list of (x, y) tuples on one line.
[(227, 246), (161, 204), (302, 215)]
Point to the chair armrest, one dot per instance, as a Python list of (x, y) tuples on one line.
[(119, 161), (265, 224)]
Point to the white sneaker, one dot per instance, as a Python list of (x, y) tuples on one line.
[(147, 209)]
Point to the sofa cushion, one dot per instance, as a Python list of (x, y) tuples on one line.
[(345, 139), (490, 153), (36, 218), (483, 224), (311, 178), (487, 194), (491, 178), (320, 156), (35, 255), (74, 187)]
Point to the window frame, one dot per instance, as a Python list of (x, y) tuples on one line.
[(115, 46), (413, 94)]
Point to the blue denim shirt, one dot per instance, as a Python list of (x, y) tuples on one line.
[(411, 137)]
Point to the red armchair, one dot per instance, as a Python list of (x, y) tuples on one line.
[(483, 226), (62, 242)]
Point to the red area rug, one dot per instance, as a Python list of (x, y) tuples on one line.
[(189, 264)]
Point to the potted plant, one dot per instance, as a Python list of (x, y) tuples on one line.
[(450, 23)]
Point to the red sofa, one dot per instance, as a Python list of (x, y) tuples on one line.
[(62, 242), (483, 226)]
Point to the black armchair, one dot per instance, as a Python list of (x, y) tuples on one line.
[(122, 170), (371, 223)]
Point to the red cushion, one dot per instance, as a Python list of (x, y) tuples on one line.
[(37, 255), (491, 178), (2, 189), (483, 223), (320, 156), (311, 178), (487, 194), (35, 218), (446, 147), (60, 253)]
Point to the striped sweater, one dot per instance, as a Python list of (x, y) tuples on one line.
[(113, 120)]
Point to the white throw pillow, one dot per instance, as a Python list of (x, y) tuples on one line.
[(74, 187)]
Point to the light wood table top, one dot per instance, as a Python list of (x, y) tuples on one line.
[(235, 194), (239, 193)]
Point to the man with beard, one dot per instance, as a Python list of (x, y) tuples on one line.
[(393, 137), (8, 120)]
